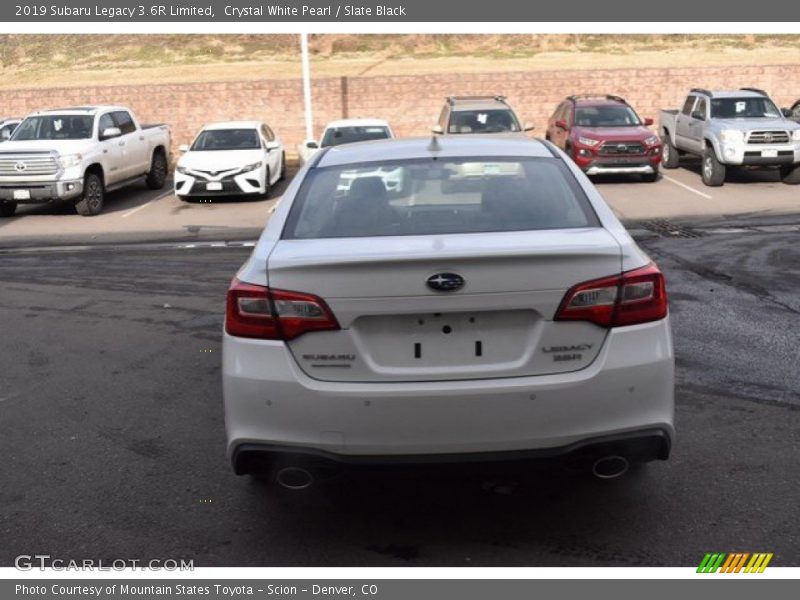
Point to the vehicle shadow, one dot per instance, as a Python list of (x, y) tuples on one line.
[(600, 180), (124, 199), (398, 514), (738, 174)]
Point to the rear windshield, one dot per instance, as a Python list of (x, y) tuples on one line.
[(483, 121), (744, 108), (429, 196), (227, 139), (610, 115), (55, 127), (335, 136)]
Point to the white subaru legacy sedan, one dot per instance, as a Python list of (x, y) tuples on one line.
[(232, 158), (502, 315)]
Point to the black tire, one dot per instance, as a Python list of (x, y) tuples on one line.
[(790, 174), (713, 171), (157, 175), (267, 185), (670, 158), (283, 167), (94, 194), (650, 177), (7, 209)]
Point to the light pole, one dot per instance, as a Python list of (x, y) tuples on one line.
[(306, 86)]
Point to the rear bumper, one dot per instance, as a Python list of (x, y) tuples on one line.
[(42, 192), (638, 446), (271, 405)]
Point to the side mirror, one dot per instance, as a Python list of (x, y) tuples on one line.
[(786, 112), (273, 145), (312, 145), (110, 132), (699, 115), (437, 130), (561, 124), (648, 121), (5, 134), (183, 148), (528, 127)]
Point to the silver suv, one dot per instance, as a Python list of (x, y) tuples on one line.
[(478, 114)]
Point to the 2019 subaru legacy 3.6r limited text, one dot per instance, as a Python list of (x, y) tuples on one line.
[(390, 314)]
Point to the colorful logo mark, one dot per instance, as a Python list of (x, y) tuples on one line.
[(734, 562)]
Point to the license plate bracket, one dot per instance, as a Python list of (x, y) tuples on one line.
[(769, 153), (22, 194), (214, 186)]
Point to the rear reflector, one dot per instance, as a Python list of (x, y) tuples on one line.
[(637, 296), (255, 311)]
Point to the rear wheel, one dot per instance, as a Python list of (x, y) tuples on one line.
[(790, 174), (713, 170), (7, 209), (158, 171), (91, 203), (670, 158)]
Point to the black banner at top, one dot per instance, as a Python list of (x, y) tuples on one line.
[(441, 11)]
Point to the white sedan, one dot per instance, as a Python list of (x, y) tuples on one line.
[(511, 318), (231, 158), (345, 131)]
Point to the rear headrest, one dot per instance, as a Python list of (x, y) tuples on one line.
[(367, 188)]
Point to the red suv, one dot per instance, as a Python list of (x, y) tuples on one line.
[(603, 134)]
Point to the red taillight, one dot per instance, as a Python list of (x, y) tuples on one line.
[(255, 311), (633, 297)]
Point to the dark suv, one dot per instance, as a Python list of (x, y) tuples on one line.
[(477, 114), (604, 135)]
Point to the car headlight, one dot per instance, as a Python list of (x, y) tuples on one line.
[(731, 136), (181, 170), (652, 140), (70, 160), (588, 141), (796, 135), (253, 167)]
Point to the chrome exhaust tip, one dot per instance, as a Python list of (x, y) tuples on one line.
[(610, 467), (294, 478)]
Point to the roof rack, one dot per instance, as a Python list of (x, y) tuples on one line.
[(756, 90), (605, 96), (703, 91), (452, 99)]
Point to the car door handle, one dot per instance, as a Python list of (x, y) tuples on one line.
[(122, 143), (141, 138)]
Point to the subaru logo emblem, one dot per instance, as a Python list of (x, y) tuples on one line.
[(445, 282), (20, 166)]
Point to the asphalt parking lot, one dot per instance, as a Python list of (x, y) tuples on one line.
[(137, 214), (113, 440)]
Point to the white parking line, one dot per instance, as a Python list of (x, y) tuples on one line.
[(146, 204), (686, 187)]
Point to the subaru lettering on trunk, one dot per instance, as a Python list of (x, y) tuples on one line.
[(386, 313)]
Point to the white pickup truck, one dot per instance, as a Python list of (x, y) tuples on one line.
[(345, 131), (78, 154)]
